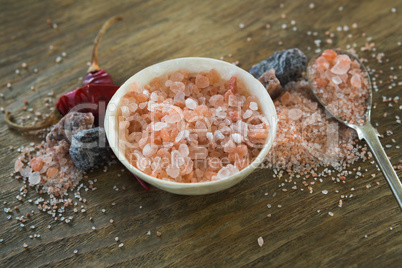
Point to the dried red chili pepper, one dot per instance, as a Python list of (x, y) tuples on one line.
[(98, 87)]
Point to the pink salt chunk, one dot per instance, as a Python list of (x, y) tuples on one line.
[(216, 100), (18, 165), (337, 80), (179, 97), (322, 63), (253, 106), (177, 86), (235, 101), (342, 65), (159, 125), (223, 173), (149, 150), (174, 118), (34, 178), (191, 104), (183, 149), (295, 114), (355, 81), (201, 81), (247, 114), (173, 171)]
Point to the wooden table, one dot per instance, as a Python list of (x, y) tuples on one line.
[(218, 229)]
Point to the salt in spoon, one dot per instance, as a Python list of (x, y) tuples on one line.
[(365, 130)]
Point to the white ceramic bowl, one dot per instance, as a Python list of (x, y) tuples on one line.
[(193, 65)]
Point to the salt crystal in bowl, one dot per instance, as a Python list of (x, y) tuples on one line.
[(192, 65)]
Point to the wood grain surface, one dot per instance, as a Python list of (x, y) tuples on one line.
[(217, 230)]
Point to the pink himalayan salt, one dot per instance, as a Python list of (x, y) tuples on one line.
[(355, 81), (183, 149), (247, 114), (235, 101), (177, 86), (314, 140), (176, 158), (191, 104), (149, 150), (237, 138), (253, 106), (295, 114), (345, 93), (201, 81), (173, 171), (216, 100), (337, 80), (18, 165), (189, 127), (50, 165), (174, 118), (34, 178), (342, 64)]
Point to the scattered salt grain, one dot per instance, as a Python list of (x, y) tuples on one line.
[(260, 241), (34, 178)]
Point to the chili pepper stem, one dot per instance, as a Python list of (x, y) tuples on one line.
[(94, 61), (52, 119)]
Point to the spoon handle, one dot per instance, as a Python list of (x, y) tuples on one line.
[(370, 135)]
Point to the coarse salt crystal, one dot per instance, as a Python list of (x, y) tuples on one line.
[(182, 135), (342, 65), (183, 149), (174, 118), (260, 241), (34, 178), (247, 114), (173, 171), (149, 150), (337, 80), (210, 136), (219, 135), (295, 114), (253, 106), (159, 125), (191, 104), (237, 138), (223, 173)]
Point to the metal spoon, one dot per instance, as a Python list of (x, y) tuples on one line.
[(367, 132)]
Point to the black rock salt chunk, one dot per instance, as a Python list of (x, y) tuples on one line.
[(288, 65), (89, 148)]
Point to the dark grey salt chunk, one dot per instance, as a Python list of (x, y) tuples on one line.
[(288, 65), (89, 148)]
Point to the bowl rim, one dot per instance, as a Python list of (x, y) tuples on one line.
[(115, 100)]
